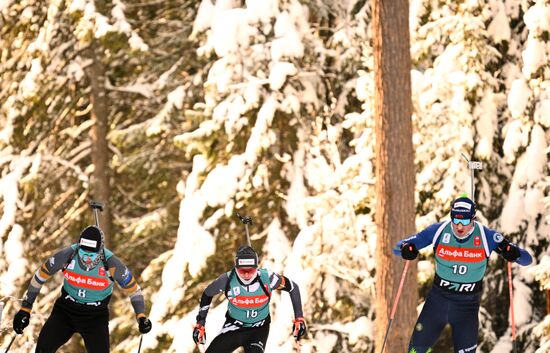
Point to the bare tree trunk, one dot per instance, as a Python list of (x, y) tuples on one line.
[(100, 186), (395, 208)]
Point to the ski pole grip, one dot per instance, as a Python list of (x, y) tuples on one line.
[(475, 165), (245, 219), (96, 205)]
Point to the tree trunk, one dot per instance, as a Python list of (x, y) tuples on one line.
[(100, 186), (395, 207)]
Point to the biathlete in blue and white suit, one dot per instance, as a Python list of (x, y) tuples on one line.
[(90, 271), (461, 249), (248, 290)]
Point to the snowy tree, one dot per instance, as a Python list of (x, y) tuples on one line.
[(47, 151), (275, 129)]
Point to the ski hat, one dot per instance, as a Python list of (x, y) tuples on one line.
[(246, 257), (91, 239), (463, 208)]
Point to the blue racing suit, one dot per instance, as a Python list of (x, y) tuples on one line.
[(454, 298)]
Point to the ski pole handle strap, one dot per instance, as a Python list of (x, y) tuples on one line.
[(199, 334), (299, 328)]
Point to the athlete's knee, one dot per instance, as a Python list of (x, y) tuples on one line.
[(469, 349), (255, 347)]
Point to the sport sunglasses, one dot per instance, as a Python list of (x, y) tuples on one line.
[(463, 221)]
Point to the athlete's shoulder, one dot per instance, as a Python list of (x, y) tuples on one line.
[(493, 236), (435, 226), (430, 232), (60, 258), (66, 253), (108, 253)]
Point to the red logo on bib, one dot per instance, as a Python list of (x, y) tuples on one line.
[(452, 253), (477, 241), (88, 282), (249, 302), (102, 271)]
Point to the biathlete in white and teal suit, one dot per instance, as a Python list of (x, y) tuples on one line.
[(248, 290), (461, 248), (90, 271)]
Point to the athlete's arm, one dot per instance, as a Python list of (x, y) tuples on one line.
[(280, 282), (214, 288), (497, 242), (122, 275), (420, 240), (44, 272)]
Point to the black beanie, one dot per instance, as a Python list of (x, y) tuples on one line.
[(463, 208), (246, 257), (91, 239)]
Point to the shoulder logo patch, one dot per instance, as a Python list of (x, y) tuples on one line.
[(71, 265), (497, 237)]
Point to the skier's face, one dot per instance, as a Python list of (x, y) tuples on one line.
[(461, 227), (246, 273), (87, 257)]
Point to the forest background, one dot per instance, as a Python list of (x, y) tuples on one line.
[(179, 113)]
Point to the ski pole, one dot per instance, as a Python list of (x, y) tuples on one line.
[(140, 340), (512, 317), (9, 345), (246, 221), (96, 206), (395, 303)]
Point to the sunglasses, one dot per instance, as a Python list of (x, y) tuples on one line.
[(464, 221), (85, 255), (246, 271)]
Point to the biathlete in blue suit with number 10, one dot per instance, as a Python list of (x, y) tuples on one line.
[(461, 249)]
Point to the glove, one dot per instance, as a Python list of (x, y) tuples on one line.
[(299, 328), (508, 251), (409, 251), (144, 324), (20, 321), (199, 336)]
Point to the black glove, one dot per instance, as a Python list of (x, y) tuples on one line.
[(409, 251), (20, 321), (508, 251), (144, 324), (299, 328), (199, 336)]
